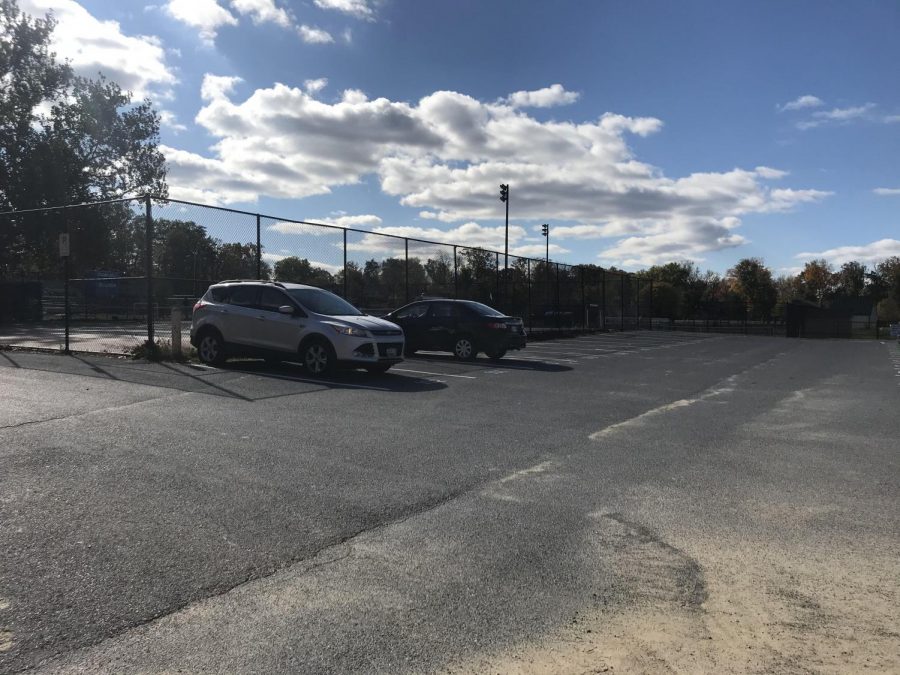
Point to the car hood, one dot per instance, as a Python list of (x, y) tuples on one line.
[(368, 322)]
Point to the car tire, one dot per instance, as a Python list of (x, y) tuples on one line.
[(317, 356), (379, 369), (496, 354), (464, 348), (211, 348)]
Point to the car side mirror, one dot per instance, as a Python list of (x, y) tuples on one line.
[(287, 309)]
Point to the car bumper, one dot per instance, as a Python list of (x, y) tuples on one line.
[(369, 351)]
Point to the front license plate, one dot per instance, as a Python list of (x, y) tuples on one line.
[(391, 351)]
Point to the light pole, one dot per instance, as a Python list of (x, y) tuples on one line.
[(504, 197), (545, 230)]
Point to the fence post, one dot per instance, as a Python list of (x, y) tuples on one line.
[(497, 273), (345, 264), (258, 250), (651, 303), (455, 275), (406, 268), (528, 281), (557, 297), (148, 270), (637, 306), (603, 299), (622, 299), (67, 272), (583, 303)]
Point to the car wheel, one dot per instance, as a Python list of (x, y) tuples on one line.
[(380, 369), (496, 354), (211, 349), (318, 357), (464, 348)]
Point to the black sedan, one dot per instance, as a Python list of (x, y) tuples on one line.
[(463, 327)]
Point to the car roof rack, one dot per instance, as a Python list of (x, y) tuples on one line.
[(255, 281)]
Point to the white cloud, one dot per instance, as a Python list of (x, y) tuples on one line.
[(887, 192), (136, 62), (315, 86), (262, 11), (770, 173), (892, 119), (217, 86), (205, 15), (311, 225), (314, 36), (446, 154), (836, 116), (168, 119), (361, 9), (547, 97), (807, 101), (867, 253)]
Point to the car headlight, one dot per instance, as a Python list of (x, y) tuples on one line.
[(350, 330)]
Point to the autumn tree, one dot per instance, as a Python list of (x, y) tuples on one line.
[(752, 282)]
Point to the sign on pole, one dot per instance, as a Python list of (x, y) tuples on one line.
[(64, 245), (895, 330)]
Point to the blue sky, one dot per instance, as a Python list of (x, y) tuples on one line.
[(642, 131)]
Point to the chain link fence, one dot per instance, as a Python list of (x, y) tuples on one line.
[(134, 268)]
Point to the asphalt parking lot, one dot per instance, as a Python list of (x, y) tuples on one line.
[(631, 501)]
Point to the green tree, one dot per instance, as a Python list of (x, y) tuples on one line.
[(238, 261), (94, 143), (752, 282), (300, 271), (850, 280), (816, 281)]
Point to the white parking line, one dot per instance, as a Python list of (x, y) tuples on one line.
[(425, 372)]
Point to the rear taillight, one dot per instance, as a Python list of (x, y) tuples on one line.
[(497, 326), (198, 305)]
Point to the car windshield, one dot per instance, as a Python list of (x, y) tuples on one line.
[(484, 310), (322, 302)]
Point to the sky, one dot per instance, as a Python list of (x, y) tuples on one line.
[(641, 131)]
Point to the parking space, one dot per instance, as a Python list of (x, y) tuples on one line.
[(552, 356)]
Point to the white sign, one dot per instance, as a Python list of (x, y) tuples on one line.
[(64, 245), (895, 330)]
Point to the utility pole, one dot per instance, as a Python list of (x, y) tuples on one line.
[(504, 197)]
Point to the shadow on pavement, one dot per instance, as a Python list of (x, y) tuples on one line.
[(229, 381), (509, 362)]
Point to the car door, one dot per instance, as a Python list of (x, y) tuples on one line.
[(440, 326), (274, 330), (239, 317), (412, 320)]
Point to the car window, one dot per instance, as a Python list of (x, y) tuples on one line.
[(482, 310), (442, 310), (322, 302), (217, 294), (245, 296), (270, 299), (416, 311)]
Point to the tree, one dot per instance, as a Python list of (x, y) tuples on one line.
[(752, 281), (884, 280), (816, 281), (92, 144), (238, 261), (850, 280), (300, 271)]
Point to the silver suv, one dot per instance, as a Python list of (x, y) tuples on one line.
[(287, 322)]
